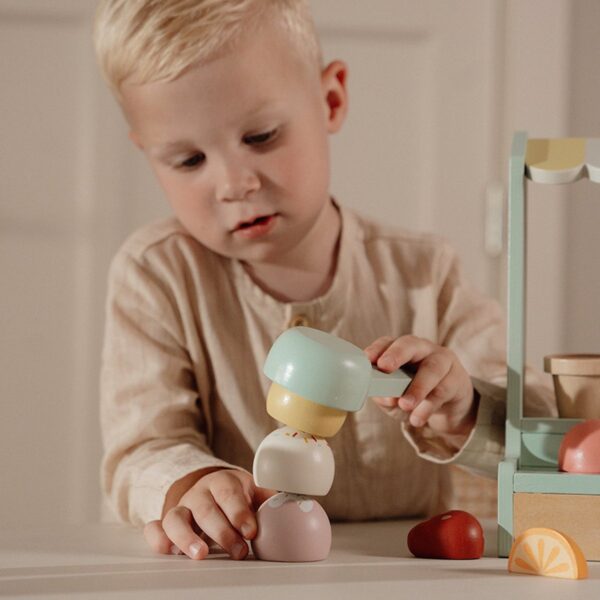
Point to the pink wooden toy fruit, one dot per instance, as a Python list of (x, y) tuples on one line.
[(455, 534), (291, 528), (580, 448)]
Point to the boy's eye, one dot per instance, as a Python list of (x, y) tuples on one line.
[(193, 161), (260, 138)]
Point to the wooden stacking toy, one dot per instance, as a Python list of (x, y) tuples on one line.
[(317, 378)]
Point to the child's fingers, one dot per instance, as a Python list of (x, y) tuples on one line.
[(376, 348), (420, 415), (158, 540), (391, 407), (235, 503), (177, 525), (260, 494), (214, 523), (224, 493), (386, 402), (405, 349), (431, 375), (445, 391)]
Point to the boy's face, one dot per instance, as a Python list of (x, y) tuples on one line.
[(240, 145)]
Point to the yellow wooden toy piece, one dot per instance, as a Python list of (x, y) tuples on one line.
[(547, 552), (298, 412), (559, 160)]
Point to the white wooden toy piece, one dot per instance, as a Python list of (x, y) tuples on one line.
[(294, 461)]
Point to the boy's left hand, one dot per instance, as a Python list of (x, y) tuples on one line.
[(440, 395)]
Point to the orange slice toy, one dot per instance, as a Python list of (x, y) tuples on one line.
[(547, 552)]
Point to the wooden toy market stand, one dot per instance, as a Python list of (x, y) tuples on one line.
[(532, 492)]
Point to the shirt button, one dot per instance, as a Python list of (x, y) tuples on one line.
[(298, 321)]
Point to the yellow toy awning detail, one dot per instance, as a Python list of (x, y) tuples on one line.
[(562, 160), (592, 159)]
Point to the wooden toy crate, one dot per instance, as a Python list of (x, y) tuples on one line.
[(532, 492)]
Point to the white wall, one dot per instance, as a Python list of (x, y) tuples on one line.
[(582, 289)]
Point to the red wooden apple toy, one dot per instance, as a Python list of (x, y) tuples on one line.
[(455, 534)]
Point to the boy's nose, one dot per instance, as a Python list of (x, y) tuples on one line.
[(236, 182)]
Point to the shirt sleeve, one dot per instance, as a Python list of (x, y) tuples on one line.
[(472, 325), (153, 430)]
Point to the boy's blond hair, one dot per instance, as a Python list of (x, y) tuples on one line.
[(142, 41)]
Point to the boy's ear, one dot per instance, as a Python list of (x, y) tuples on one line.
[(333, 83), (133, 136)]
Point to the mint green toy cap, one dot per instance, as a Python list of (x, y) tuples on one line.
[(319, 367), (328, 370)]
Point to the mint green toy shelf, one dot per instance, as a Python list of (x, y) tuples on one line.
[(531, 455)]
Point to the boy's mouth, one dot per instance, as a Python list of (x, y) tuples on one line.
[(256, 226)]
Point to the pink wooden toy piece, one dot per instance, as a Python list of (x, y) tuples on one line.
[(580, 449), (292, 528)]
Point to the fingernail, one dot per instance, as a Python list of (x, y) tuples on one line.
[(195, 549), (416, 421), (408, 401), (175, 550), (246, 530), (386, 361), (239, 550)]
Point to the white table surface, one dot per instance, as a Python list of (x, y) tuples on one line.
[(367, 561)]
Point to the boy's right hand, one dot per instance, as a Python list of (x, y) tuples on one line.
[(220, 506)]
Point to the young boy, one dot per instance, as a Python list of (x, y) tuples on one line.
[(230, 103)]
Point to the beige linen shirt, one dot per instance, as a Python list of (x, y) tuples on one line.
[(187, 333)]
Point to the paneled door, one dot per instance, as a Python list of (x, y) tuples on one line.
[(420, 144), (58, 195)]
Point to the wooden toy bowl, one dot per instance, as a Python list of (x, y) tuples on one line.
[(576, 384)]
